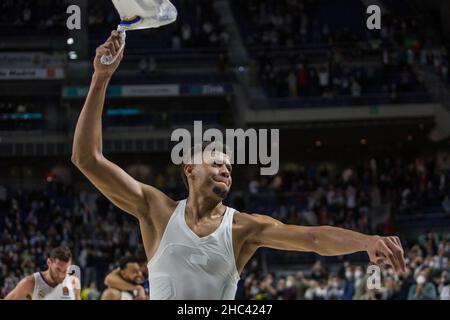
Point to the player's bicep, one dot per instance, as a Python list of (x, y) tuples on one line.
[(23, 290), (272, 233)]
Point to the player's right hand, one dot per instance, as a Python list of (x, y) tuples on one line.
[(110, 47), (387, 250)]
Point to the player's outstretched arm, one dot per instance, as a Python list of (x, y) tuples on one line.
[(118, 186), (326, 241), (23, 290)]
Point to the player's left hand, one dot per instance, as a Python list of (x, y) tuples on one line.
[(387, 250)]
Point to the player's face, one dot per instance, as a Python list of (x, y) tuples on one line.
[(213, 176), (58, 269), (132, 273)]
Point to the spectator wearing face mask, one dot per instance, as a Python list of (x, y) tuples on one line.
[(391, 290), (290, 291), (335, 288), (423, 289)]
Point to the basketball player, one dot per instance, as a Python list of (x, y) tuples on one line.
[(130, 274), (52, 284), (140, 289), (197, 247)]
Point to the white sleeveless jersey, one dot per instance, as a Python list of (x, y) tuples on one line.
[(187, 267), (125, 295), (43, 291)]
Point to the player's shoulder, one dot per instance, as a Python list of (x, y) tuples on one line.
[(29, 278), (250, 221), (159, 204), (28, 281)]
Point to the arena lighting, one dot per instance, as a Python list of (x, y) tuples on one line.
[(73, 55), (123, 112), (70, 41)]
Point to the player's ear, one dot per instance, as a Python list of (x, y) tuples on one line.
[(49, 262), (188, 169)]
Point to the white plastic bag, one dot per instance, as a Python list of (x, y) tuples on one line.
[(144, 14), (141, 14)]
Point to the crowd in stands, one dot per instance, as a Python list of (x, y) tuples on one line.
[(323, 194), (198, 25), (338, 57), (426, 278), (334, 78), (290, 23), (41, 16)]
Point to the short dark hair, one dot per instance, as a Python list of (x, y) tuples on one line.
[(62, 253), (217, 146), (126, 260)]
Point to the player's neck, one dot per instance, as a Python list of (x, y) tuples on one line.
[(48, 278), (200, 206)]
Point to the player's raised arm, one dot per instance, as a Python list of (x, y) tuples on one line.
[(118, 186), (23, 290), (326, 241)]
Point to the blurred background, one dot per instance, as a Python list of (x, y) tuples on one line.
[(364, 119)]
